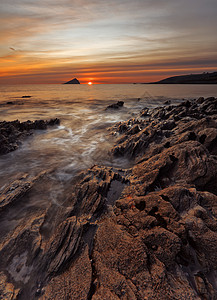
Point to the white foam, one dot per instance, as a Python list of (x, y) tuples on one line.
[(19, 269), (89, 150)]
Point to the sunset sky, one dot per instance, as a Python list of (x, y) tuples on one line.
[(106, 41)]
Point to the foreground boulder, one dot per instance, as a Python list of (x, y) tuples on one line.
[(147, 232)]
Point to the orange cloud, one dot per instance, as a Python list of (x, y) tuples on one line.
[(109, 41)]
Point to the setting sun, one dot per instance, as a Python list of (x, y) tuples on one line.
[(90, 83)]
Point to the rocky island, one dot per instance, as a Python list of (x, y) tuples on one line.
[(73, 81), (146, 232)]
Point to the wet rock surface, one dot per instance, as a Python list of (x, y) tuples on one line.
[(148, 232), (117, 105), (167, 126), (12, 133)]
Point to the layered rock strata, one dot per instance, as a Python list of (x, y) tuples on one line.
[(148, 232)]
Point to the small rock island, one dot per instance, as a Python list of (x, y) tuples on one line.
[(73, 81)]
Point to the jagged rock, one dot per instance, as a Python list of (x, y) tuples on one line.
[(166, 125), (7, 291), (200, 100), (74, 283), (144, 112), (116, 105), (52, 122), (17, 189), (33, 257), (168, 102), (148, 232)]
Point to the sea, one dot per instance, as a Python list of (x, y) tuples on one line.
[(82, 139)]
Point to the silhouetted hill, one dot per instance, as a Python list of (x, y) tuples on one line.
[(205, 78), (73, 81)]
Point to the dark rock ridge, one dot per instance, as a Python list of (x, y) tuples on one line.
[(73, 81), (148, 232), (204, 78), (117, 105), (12, 133)]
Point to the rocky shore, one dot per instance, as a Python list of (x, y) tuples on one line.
[(147, 232), (13, 133)]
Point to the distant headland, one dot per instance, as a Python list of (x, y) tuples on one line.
[(204, 78), (73, 81)]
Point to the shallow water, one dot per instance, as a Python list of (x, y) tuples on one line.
[(82, 139)]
